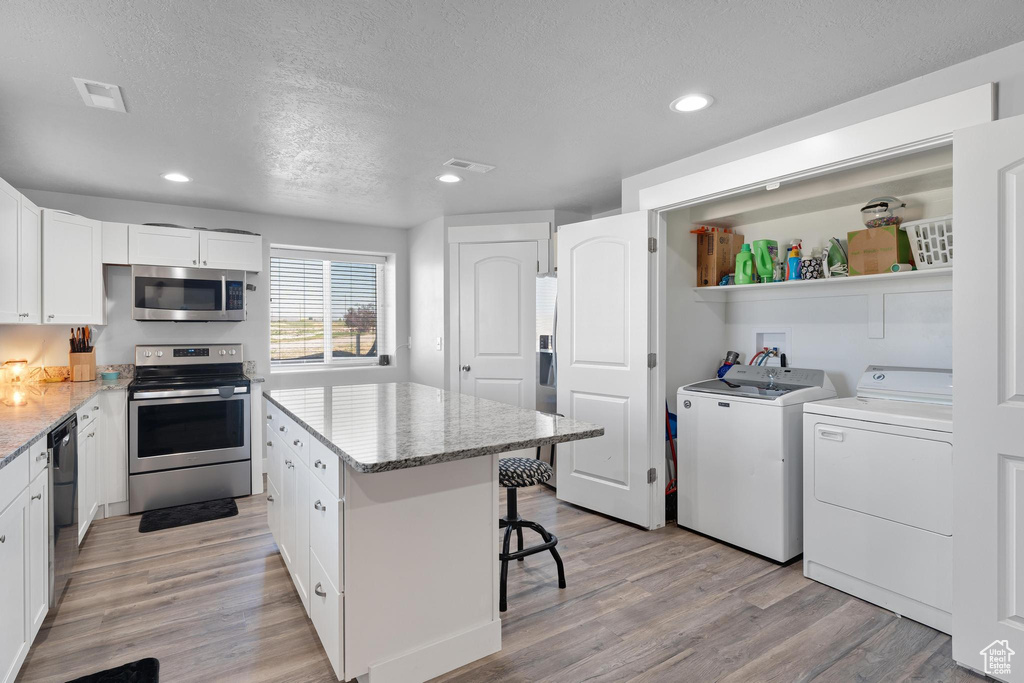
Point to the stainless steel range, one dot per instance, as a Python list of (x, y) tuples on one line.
[(188, 426)]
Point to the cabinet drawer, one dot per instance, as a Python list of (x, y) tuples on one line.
[(325, 610), (13, 479), (88, 413), (37, 457), (294, 437), (326, 467), (325, 530)]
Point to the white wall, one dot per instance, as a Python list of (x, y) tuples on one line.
[(428, 283), (116, 341), (1003, 66), (428, 318)]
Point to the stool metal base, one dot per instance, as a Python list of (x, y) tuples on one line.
[(513, 522)]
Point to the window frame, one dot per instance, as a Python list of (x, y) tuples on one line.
[(327, 256)]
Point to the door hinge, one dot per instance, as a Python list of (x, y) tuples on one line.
[(652, 244), (652, 360), (652, 475)]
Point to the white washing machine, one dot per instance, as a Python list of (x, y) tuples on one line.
[(878, 492), (739, 456)]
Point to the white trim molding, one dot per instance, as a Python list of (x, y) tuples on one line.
[(513, 232), (923, 126)]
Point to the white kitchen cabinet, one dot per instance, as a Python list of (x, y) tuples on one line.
[(14, 564), (30, 234), (115, 244), (154, 245), (231, 251), (89, 483), (113, 452), (38, 551), (20, 258), (72, 270)]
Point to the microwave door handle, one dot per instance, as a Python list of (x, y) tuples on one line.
[(223, 293)]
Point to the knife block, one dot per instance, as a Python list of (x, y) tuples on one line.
[(82, 366)]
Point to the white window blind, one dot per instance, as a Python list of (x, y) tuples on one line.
[(308, 288)]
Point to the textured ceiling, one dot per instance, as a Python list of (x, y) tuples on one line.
[(345, 110)]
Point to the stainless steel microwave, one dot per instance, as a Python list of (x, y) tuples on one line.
[(187, 294)]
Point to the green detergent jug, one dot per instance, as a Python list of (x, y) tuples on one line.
[(745, 266)]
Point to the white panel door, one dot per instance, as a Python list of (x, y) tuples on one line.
[(10, 208), (988, 359), (497, 318), (231, 251), (39, 552), (154, 245), (602, 344), (30, 262), (72, 270)]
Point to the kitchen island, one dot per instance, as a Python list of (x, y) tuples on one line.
[(383, 500)]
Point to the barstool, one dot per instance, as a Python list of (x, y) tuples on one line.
[(515, 473)]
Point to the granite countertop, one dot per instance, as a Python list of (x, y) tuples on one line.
[(46, 406), (381, 427)]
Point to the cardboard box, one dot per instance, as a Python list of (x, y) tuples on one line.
[(716, 256), (875, 250)]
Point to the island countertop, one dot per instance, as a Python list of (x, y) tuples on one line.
[(381, 427)]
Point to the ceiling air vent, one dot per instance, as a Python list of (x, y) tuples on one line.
[(464, 165), (100, 95)]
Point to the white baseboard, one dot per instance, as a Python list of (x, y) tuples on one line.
[(439, 658)]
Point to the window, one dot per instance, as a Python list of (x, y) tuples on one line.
[(324, 307)]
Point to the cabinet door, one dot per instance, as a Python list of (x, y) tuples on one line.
[(300, 550), (231, 251), (95, 467), (14, 624), (113, 447), (10, 202), (86, 479), (38, 552), (274, 502), (72, 270), (30, 262), (288, 512), (151, 245)]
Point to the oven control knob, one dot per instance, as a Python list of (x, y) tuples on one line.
[(223, 352), (148, 354), (159, 354), (231, 352)]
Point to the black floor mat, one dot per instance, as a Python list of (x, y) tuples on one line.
[(168, 518), (143, 671)]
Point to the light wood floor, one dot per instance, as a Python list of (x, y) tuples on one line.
[(213, 602)]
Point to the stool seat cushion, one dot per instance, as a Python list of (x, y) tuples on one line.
[(520, 472)]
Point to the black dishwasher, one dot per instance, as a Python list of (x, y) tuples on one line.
[(62, 444)]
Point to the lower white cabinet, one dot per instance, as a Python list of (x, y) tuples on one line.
[(14, 566), (89, 482), (112, 446), (38, 551)]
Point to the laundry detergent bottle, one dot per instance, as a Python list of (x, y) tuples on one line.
[(745, 266), (794, 264)]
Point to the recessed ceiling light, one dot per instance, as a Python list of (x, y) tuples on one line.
[(449, 178), (692, 102), (177, 177)]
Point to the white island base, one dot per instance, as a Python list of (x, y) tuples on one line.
[(387, 519), (421, 576)]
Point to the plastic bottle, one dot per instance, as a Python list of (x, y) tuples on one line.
[(794, 264), (745, 266)]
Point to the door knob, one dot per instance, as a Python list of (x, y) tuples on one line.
[(465, 368)]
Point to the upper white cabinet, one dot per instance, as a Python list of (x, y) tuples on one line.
[(19, 259), (231, 251), (72, 270), (115, 244), (152, 245)]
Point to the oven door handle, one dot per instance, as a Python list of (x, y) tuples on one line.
[(222, 392)]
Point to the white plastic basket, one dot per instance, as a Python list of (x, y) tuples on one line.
[(932, 242)]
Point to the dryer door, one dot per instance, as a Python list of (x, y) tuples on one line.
[(896, 473)]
